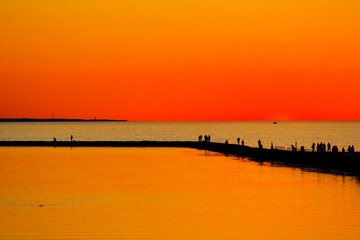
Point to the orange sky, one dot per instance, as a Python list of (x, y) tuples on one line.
[(180, 59)]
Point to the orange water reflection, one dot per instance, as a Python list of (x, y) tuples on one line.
[(168, 193)]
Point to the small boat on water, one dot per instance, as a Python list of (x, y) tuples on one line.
[(274, 122)]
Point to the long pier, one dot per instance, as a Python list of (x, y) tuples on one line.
[(346, 162)]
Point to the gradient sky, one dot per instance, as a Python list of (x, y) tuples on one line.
[(180, 59)]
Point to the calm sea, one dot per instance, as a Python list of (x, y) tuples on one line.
[(284, 134), (168, 193), (172, 193)]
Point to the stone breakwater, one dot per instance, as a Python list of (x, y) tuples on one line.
[(346, 162)]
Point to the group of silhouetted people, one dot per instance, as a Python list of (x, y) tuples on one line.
[(238, 141), (322, 147), (71, 138), (206, 138), (351, 149)]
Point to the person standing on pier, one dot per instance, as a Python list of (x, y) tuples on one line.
[(335, 148), (238, 140), (352, 149), (242, 142), (328, 146), (200, 138), (313, 147), (260, 145), (71, 138)]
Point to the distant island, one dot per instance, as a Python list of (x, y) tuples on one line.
[(57, 120)]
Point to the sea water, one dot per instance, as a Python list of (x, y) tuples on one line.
[(168, 193), (172, 193), (283, 134)]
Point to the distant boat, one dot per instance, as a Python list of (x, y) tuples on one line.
[(274, 122)]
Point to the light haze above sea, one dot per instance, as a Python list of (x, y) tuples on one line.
[(340, 133)]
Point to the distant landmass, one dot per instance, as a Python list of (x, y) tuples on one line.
[(57, 120)]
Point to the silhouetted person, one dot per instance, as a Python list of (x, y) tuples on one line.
[(328, 146), (200, 138), (351, 149), (71, 138), (343, 150), (334, 149), (209, 137), (242, 142), (238, 140), (313, 147), (293, 148), (54, 139), (260, 145), (321, 147), (226, 141)]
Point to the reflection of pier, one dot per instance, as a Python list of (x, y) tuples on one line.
[(349, 162)]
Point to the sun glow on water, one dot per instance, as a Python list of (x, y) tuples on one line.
[(165, 193)]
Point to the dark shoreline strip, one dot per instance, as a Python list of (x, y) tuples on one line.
[(347, 162), (57, 120)]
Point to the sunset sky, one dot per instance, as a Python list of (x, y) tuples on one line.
[(180, 60)]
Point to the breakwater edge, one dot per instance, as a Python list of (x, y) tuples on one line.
[(349, 163)]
